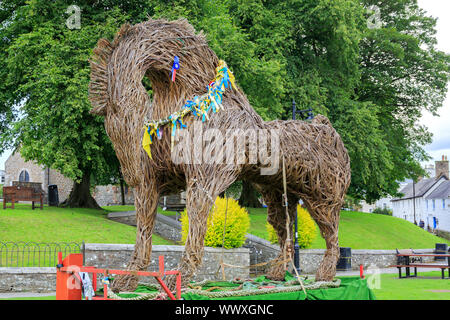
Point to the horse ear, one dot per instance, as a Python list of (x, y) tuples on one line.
[(98, 86)]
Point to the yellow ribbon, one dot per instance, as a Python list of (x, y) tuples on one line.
[(146, 142), (201, 108)]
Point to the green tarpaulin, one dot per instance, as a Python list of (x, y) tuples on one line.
[(351, 288)]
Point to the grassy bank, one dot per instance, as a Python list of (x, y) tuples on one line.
[(359, 230), (55, 224)]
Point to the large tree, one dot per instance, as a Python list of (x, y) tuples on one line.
[(402, 75), (44, 88), (373, 79), (373, 83)]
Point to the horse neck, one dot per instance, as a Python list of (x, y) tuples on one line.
[(169, 97)]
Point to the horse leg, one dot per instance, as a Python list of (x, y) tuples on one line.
[(146, 202), (277, 218), (199, 201), (327, 218)]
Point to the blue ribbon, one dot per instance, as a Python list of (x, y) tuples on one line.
[(175, 66)]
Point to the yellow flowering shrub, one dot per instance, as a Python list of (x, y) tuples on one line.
[(306, 229), (237, 224)]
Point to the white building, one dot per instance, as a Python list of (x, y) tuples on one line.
[(427, 200), (2, 176), (383, 202)]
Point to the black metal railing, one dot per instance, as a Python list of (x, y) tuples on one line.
[(35, 254)]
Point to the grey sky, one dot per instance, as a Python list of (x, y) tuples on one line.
[(439, 126)]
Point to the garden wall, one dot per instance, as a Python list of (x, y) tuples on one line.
[(116, 256), (262, 250)]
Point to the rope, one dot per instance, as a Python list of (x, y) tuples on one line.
[(223, 238), (196, 288), (254, 292), (285, 198), (288, 228)]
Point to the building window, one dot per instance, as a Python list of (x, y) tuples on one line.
[(434, 204), (443, 203), (24, 176)]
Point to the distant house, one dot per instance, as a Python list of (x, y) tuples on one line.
[(2, 176), (383, 203), (427, 200)]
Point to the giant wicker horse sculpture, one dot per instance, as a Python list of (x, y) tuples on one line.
[(316, 162)]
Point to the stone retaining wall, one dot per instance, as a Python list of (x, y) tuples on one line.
[(27, 279), (443, 234), (116, 256)]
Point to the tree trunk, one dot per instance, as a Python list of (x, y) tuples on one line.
[(249, 197), (80, 196)]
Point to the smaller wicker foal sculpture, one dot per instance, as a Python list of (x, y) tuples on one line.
[(316, 161)]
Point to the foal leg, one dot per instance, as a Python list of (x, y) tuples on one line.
[(146, 202)]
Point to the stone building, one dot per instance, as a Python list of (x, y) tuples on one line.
[(17, 169)]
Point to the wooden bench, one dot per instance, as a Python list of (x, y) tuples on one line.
[(17, 193), (175, 207), (404, 261), (408, 252)]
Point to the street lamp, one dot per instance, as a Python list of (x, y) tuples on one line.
[(306, 114), (414, 201)]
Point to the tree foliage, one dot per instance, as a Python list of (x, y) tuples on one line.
[(45, 88), (373, 83)]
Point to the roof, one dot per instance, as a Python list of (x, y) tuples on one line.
[(420, 188), (441, 192)]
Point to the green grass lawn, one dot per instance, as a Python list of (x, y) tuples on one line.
[(132, 208), (55, 224), (359, 230), (427, 286)]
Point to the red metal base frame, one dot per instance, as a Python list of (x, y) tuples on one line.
[(68, 281)]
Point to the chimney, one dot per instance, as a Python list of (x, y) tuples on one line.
[(442, 167)]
